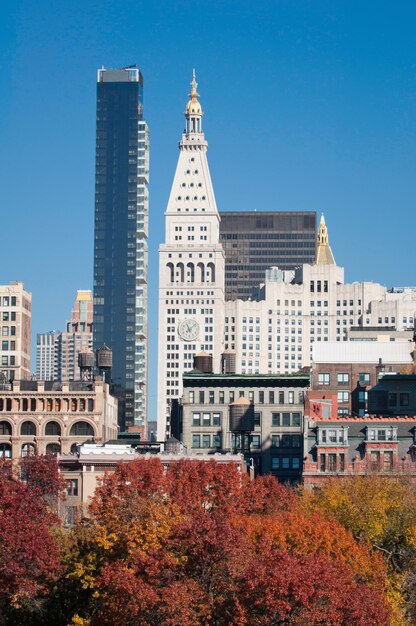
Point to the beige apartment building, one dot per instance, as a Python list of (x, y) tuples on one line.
[(16, 326)]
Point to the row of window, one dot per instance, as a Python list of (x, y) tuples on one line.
[(378, 460), (260, 397), (29, 429), (343, 378), (8, 301), (49, 404), (206, 440)]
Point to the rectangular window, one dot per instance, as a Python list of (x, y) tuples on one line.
[(251, 396), (275, 419), (275, 441), (211, 397), (392, 399), (375, 460), (343, 396), (364, 378), (257, 419), (388, 461), (285, 462), (196, 419), (221, 397), (231, 396), (322, 463), (216, 419), (323, 379), (206, 441), (332, 462), (216, 440), (261, 397), (342, 462), (201, 397), (286, 441), (343, 378), (281, 397), (72, 487), (255, 442), (295, 441), (286, 419), (291, 397), (275, 462), (295, 419), (196, 441), (191, 397), (271, 397), (404, 399), (295, 462)]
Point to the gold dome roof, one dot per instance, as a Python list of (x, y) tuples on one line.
[(193, 107)]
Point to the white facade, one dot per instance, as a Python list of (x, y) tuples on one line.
[(191, 268), (313, 304)]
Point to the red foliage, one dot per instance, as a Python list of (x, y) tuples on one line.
[(42, 474), (29, 554), (200, 544)]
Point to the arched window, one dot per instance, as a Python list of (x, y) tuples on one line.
[(28, 449), (5, 451), (82, 429), (53, 428), (211, 272), (180, 272), (171, 272), (5, 429), (28, 429), (201, 272), (53, 448), (190, 273)]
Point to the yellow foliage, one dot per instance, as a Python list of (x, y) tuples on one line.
[(79, 621)]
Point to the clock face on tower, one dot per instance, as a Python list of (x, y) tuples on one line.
[(188, 329)]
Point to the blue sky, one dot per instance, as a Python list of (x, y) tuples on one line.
[(309, 105)]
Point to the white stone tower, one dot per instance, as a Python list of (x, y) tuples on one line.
[(191, 268)]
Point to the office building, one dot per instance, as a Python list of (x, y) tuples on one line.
[(260, 416), (254, 241), (57, 352), (121, 231), (296, 309), (191, 267), (16, 326)]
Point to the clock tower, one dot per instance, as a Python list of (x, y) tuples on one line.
[(191, 268)]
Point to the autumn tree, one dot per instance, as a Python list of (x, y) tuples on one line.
[(29, 551), (198, 543)]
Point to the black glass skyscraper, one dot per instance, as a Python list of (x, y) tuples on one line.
[(253, 241), (121, 229)]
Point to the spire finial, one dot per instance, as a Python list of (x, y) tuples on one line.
[(193, 107), (194, 85), (323, 253)]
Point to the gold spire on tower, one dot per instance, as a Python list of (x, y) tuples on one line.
[(324, 254), (193, 107)]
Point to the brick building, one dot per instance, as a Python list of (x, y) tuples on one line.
[(356, 446), (350, 368)]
